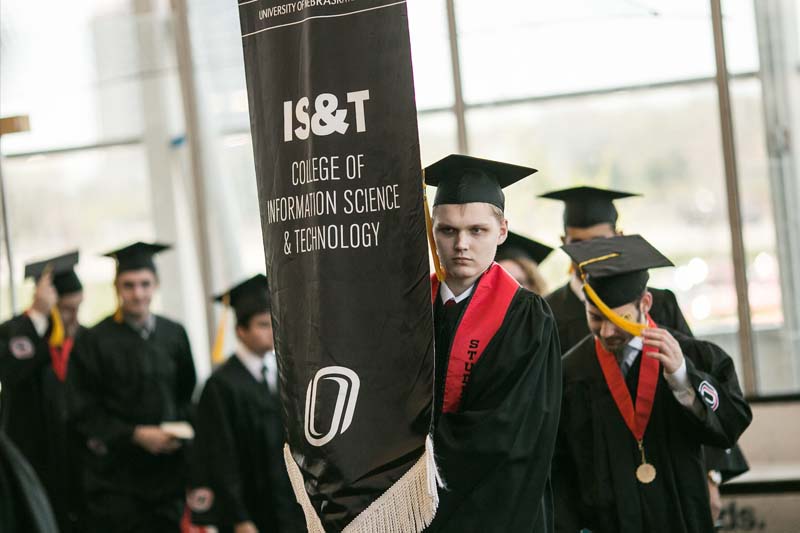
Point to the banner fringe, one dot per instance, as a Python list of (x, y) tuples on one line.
[(408, 506)]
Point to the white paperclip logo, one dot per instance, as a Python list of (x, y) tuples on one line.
[(345, 403)]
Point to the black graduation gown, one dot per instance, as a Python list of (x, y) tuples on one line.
[(33, 413), (494, 453), (238, 454), (570, 314), (596, 456), (116, 381), (572, 328), (24, 506)]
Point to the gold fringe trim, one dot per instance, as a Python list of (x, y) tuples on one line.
[(408, 506)]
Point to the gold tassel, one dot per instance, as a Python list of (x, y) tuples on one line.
[(634, 328), (440, 272), (219, 340), (57, 335), (118, 318)]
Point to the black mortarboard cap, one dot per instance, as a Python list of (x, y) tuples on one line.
[(517, 246), (248, 298), (137, 256), (65, 280), (461, 179), (586, 206), (616, 268)]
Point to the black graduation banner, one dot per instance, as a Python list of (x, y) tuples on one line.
[(334, 129)]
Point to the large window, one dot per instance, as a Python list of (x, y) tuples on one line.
[(623, 95), (102, 163), (91, 200), (618, 94)]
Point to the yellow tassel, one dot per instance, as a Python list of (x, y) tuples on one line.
[(57, 335), (219, 341), (118, 318), (437, 266), (634, 328)]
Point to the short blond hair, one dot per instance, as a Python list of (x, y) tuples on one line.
[(497, 213)]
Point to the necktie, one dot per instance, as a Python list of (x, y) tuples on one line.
[(450, 303), (264, 379)]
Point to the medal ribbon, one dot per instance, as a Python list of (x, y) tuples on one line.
[(59, 357), (637, 419)]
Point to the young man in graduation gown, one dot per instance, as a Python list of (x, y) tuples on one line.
[(639, 401), (239, 479), (133, 372), (497, 369), (590, 213), (34, 350)]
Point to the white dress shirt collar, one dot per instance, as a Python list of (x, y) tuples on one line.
[(446, 294), (258, 364), (251, 361)]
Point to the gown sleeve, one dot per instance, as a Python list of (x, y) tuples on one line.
[(85, 392), (566, 496), (725, 413), (216, 452), (13, 367), (186, 379)]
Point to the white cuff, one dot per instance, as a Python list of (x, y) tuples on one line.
[(683, 391), (40, 321), (678, 380)]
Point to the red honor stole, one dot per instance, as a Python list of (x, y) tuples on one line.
[(483, 317), (637, 419), (59, 356)]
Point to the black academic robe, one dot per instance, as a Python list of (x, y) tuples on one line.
[(33, 413), (596, 456), (116, 381), (238, 455), (494, 453), (570, 314), (24, 506)]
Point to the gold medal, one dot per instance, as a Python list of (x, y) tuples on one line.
[(646, 473)]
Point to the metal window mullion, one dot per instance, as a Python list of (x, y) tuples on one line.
[(734, 207), (458, 95), (183, 46)]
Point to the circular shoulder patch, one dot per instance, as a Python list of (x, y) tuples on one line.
[(21, 347), (709, 394), (200, 499)]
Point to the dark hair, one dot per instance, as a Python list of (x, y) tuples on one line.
[(244, 319)]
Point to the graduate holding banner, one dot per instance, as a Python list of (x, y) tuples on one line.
[(498, 362), (334, 128)]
